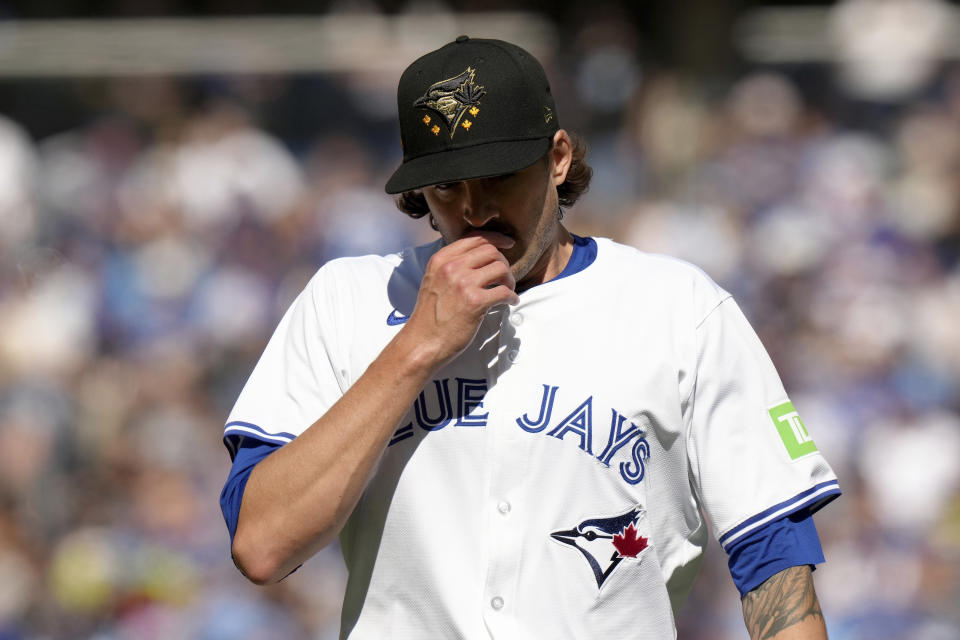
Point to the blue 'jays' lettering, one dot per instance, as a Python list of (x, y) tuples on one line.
[(641, 451), (580, 422), (434, 410), (617, 437), (543, 418)]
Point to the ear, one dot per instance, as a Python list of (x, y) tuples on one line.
[(561, 155)]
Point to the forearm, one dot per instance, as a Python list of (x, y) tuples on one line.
[(299, 497), (785, 607)]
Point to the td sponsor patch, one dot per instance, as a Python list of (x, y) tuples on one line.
[(792, 431)]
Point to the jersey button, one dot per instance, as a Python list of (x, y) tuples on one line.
[(504, 507), (497, 603), (516, 319)]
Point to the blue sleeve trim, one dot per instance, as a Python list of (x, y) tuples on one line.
[(235, 432), (791, 541), (811, 500), (246, 456)]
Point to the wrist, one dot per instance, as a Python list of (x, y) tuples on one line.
[(413, 358)]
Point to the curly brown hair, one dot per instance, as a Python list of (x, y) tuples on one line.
[(575, 185)]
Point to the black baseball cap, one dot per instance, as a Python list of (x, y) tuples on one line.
[(472, 109)]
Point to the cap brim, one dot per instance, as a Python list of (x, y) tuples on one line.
[(468, 163)]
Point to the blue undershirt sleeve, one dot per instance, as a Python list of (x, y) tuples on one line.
[(791, 541), (249, 452)]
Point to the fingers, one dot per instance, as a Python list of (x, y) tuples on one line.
[(477, 300), (501, 295), (470, 279), (498, 240), (470, 253), (467, 265), (480, 257), (487, 287), (459, 260), (477, 239), (495, 274)]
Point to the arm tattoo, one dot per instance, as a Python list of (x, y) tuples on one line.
[(782, 601)]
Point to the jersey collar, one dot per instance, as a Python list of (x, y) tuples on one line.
[(583, 255)]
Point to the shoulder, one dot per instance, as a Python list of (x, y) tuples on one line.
[(653, 264), (341, 271), (349, 273), (664, 277)]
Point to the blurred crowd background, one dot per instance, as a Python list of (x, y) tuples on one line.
[(154, 227)]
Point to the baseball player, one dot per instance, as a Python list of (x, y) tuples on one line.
[(517, 432)]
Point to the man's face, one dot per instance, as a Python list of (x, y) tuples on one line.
[(521, 206)]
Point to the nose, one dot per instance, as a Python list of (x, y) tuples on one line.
[(478, 207)]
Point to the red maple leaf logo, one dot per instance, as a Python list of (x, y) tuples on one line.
[(628, 543)]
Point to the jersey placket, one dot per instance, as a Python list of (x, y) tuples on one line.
[(503, 502)]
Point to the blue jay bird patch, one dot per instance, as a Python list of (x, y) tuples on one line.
[(450, 99), (605, 542)]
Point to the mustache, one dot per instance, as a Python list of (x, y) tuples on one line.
[(495, 227)]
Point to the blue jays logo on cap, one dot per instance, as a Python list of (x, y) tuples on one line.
[(451, 99), (605, 542)]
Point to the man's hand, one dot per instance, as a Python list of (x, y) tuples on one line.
[(462, 282), (785, 607)]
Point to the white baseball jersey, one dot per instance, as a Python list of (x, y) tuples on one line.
[(552, 481)]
